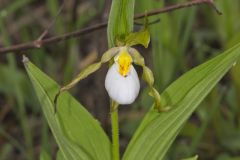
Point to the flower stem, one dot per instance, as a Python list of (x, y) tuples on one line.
[(115, 130)]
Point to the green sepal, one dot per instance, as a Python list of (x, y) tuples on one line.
[(142, 37)]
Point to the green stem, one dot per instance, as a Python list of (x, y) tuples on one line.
[(115, 129)]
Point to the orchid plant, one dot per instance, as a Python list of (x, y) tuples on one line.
[(122, 81), (80, 136)]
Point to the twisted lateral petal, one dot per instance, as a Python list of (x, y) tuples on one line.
[(123, 90)]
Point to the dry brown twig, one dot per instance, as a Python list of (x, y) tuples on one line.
[(45, 32), (75, 34)]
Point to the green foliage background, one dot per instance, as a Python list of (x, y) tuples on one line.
[(182, 40)]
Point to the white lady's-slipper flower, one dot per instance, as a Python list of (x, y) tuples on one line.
[(122, 82)]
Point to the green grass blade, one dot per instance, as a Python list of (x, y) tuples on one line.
[(120, 21), (158, 130), (77, 133), (6, 150)]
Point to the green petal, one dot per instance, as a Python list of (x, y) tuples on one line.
[(148, 77)]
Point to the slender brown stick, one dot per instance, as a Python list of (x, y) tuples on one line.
[(179, 6), (45, 32), (43, 42)]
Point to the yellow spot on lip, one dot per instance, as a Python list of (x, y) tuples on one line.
[(124, 62)]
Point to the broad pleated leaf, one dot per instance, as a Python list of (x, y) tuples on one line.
[(158, 130), (60, 155), (78, 134)]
